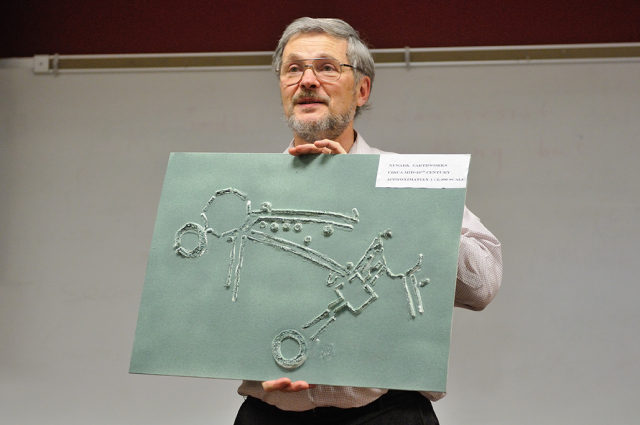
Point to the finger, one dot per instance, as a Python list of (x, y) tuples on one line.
[(286, 386), (321, 146), (276, 385), (298, 386), (305, 149), (330, 146)]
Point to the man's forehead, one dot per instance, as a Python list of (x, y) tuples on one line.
[(315, 45)]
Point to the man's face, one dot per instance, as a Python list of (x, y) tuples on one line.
[(315, 109)]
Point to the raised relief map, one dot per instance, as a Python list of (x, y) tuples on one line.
[(365, 272), (326, 278)]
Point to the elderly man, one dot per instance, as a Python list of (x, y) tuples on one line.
[(326, 73)]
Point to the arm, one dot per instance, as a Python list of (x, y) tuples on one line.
[(480, 257), (479, 265)]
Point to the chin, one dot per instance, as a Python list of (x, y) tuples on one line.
[(310, 117)]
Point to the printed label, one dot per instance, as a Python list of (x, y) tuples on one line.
[(423, 171)]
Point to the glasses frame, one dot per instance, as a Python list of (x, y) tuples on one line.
[(305, 66)]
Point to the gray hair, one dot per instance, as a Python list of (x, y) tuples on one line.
[(357, 52)]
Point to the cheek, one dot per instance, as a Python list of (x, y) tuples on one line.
[(285, 101), (287, 95)]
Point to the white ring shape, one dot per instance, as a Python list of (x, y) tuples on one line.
[(202, 240), (276, 348)]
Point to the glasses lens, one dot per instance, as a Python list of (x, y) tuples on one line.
[(291, 72), (327, 70)]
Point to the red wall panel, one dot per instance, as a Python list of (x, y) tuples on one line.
[(143, 26)]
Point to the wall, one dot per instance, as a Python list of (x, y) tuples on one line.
[(68, 27), (554, 175)]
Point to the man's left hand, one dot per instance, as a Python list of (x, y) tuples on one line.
[(286, 386), (321, 146)]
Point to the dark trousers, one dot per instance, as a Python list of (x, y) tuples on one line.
[(393, 408)]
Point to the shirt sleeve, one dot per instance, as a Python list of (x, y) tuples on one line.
[(479, 265)]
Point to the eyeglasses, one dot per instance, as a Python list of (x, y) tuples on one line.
[(325, 69)]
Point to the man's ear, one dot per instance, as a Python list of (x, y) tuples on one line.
[(364, 90)]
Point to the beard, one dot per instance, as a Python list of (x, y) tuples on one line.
[(328, 127)]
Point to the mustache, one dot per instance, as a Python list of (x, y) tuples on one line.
[(310, 95)]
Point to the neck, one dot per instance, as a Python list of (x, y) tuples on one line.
[(346, 139)]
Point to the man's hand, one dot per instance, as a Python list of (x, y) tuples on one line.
[(321, 146), (285, 385)]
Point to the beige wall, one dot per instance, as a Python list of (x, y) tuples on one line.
[(554, 175)]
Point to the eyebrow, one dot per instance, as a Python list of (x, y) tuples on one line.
[(295, 57)]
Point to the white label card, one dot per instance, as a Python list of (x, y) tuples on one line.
[(423, 171)]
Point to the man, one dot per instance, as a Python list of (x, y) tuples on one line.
[(326, 74)]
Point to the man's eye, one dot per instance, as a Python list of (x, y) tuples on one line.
[(328, 67), (293, 69)]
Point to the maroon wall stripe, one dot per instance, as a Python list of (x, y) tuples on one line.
[(142, 26)]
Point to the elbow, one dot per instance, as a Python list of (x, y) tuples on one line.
[(477, 286), (476, 298)]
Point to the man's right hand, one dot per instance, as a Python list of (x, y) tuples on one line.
[(321, 146), (286, 386)]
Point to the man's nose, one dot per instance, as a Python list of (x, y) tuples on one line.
[(309, 79)]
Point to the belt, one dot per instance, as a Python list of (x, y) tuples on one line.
[(330, 414)]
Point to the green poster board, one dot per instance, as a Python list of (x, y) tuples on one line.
[(268, 265)]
